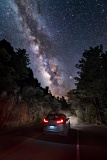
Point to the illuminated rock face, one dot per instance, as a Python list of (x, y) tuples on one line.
[(14, 114)]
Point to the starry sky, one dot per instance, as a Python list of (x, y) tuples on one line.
[(55, 33)]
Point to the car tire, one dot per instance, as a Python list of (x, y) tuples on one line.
[(69, 126)]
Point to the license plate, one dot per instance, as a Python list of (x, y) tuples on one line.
[(52, 127)]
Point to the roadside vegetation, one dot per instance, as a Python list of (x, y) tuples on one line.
[(89, 100), (23, 100)]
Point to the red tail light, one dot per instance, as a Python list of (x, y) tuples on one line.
[(45, 121), (60, 121)]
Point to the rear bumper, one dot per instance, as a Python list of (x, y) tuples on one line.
[(53, 133)]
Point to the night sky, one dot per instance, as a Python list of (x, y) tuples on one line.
[(55, 33)]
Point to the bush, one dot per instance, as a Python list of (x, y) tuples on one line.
[(28, 92), (90, 114)]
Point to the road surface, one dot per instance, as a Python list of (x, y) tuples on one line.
[(84, 142)]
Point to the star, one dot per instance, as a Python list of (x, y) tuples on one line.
[(70, 77)]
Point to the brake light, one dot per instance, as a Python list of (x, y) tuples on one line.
[(45, 121), (60, 121)]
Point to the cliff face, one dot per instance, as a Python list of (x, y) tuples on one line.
[(16, 113), (19, 115)]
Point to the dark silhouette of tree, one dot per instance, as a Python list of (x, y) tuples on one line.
[(13, 66), (46, 90), (6, 71), (104, 76), (92, 76), (7, 46), (63, 103), (30, 80), (20, 62)]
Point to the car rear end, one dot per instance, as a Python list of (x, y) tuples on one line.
[(54, 124)]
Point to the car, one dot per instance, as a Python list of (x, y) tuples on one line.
[(56, 124)]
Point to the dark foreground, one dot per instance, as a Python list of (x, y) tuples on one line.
[(82, 143)]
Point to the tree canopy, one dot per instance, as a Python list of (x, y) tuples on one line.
[(13, 66), (92, 80)]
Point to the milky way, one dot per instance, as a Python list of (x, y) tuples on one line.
[(55, 33)]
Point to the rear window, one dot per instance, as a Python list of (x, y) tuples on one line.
[(55, 116)]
